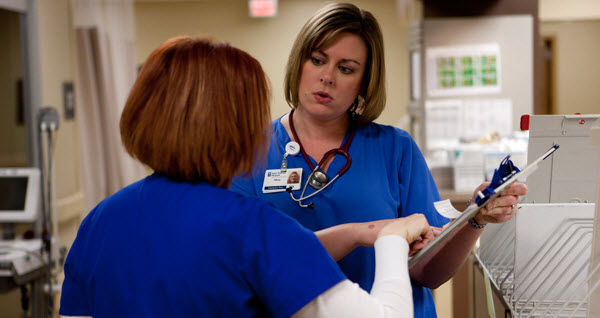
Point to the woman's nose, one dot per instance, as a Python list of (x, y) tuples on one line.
[(327, 81), (326, 77)]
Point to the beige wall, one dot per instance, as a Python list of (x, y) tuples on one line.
[(569, 10), (12, 133), (270, 39), (574, 27), (577, 66)]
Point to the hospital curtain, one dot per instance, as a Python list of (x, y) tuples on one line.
[(105, 45)]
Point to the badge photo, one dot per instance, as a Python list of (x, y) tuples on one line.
[(277, 180)]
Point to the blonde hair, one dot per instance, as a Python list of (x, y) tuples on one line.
[(318, 32)]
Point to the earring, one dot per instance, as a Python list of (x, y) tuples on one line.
[(358, 106), (361, 103)]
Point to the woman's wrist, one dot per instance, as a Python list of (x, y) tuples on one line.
[(368, 232), (476, 221), (475, 224), (360, 234)]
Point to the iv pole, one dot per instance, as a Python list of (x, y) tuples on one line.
[(43, 289)]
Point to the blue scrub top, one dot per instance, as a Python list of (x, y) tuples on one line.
[(160, 248), (388, 178)]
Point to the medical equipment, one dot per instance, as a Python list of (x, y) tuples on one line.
[(317, 178), (19, 194), (484, 197), (30, 261), (21, 261), (570, 176)]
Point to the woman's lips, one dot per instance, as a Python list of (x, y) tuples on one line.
[(322, 97)]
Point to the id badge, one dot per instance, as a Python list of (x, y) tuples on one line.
[(277, 180)]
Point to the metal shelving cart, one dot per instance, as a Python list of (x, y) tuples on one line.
[(554, 279)]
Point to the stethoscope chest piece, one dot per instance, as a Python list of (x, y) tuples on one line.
[(318, 179)]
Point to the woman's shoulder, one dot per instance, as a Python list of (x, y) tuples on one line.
[(157, 189), (382, 131), (279, 135), (277, 126)]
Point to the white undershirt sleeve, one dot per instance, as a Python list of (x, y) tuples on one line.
[(391, 295)]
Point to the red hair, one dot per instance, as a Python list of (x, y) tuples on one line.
[(198, 111)]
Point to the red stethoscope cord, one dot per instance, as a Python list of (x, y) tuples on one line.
[(317, 178)]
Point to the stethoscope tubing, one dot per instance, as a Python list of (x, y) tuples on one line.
[(302, 197), (343, 150)]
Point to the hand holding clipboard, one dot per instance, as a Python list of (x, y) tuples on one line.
[(483, 198)]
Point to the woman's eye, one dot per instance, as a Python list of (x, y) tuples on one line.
[(346, 70), (316, 61)]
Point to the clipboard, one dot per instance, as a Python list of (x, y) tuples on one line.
[(474, 208)]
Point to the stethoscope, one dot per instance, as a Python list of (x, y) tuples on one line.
[(317, 178)]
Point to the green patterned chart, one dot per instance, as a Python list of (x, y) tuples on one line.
[(458, 70), (467, 71)]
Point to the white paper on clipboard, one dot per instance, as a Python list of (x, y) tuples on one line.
[(446, 209), (471, 210)]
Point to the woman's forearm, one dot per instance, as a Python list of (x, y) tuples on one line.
[(443, 262), (342, 239), (339, 240)]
